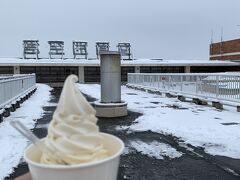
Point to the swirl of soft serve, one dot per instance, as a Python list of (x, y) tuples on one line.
[(73, 132)]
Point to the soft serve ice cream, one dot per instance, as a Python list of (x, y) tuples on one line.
[(73, 133)]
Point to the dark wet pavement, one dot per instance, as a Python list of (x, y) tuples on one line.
[(193, 164)]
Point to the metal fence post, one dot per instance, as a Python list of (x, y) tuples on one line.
[(217, 85), (197, 81), (181, 83)]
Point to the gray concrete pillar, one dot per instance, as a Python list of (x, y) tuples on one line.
[(81, 77), (16, 70), (137, 69), (187, 69), (110, 77), (110, 104)]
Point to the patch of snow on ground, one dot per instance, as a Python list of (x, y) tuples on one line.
[(155, 149), (12, 143), (194, 124), (126, 150), (92, 90)]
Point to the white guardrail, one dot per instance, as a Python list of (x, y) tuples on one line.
[(219, 86), (13, 87)]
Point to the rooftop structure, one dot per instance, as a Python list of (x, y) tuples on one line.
[(56, 48), (55, 72), (30, 47), (80, 49), (225, 50)]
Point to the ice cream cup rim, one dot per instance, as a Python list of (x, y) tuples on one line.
[(75, 166)]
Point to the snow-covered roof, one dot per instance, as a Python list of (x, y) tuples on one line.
[(201, 126), (217, 132), (96, 62)]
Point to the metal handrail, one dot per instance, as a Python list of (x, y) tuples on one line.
[(217, 86), (13, 87)]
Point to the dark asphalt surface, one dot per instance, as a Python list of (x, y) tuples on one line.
[(193, 164)]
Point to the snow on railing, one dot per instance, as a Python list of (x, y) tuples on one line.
[(220, 86), (13, 87)]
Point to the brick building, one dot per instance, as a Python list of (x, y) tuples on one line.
[(225, 50)]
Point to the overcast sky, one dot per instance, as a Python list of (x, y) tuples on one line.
[(169, 29)]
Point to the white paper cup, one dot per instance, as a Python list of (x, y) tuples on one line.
[(105, 169)]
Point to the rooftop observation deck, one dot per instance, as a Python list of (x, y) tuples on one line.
[(54, 71)]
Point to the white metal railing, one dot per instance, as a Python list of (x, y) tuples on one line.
[(14, 86), (220, 86)]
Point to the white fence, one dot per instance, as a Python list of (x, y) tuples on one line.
[(14, 86), (220, 86)]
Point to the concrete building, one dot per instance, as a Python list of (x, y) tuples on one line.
[(88, 71), (225, 50)]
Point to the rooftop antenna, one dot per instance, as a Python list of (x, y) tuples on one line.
[(238, 25), (211, 44), (211, 36), (221, 34), (221, 44)]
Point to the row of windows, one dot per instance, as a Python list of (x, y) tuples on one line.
[(205, 69), (92, 74), (6, 70), (162, 69), (49, 74)]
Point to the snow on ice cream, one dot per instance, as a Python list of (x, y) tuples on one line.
[(73, 132)]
